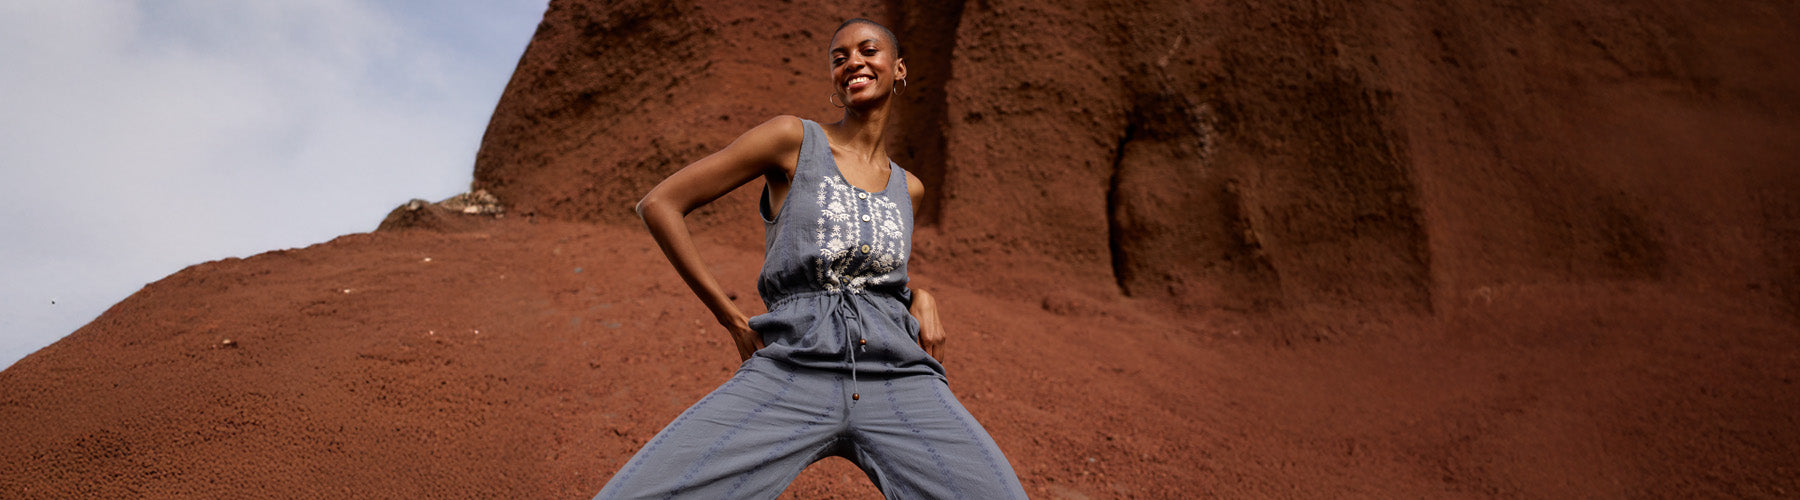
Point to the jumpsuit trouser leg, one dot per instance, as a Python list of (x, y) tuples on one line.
[(747, 439), (753, 435), (915, 440)]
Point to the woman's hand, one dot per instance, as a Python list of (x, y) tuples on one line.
[(748, 341), (931, 330)]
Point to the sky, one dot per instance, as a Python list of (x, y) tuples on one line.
[(141, 137)]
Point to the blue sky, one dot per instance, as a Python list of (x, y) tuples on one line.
[(138, 138)]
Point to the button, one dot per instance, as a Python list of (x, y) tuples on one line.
[(865, 249), (854, 396), (865, 218), (862, 341), (863, 196)]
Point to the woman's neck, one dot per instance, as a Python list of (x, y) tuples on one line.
[(864, 132)]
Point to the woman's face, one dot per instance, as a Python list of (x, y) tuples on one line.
[(864, 65)]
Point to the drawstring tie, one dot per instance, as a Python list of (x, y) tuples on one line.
[(844, 313), (852, 338)]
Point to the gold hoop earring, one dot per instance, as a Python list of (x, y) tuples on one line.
[(832, 98)]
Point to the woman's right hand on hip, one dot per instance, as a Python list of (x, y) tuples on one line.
[(748, 341)]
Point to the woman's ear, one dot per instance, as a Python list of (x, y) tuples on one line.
[(900, 69)]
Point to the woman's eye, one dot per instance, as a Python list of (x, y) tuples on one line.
[(868, 52)]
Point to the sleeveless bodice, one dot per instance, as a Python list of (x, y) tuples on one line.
[(834, 275)]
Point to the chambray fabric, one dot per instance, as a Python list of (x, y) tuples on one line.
[(834, 279), (834, 272)]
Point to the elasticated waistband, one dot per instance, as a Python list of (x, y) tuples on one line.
[(789, 298)]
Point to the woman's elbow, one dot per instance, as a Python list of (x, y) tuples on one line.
[(655, 206), (643, 205), (650, 208)]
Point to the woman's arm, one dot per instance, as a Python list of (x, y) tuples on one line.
[(770, 146), (924, 305)]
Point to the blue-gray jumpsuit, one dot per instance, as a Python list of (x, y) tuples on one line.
[(842, 373)]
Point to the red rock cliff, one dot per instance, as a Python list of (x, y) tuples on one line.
[(1237, 154)]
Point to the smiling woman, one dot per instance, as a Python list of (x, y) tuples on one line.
[(847, 361)]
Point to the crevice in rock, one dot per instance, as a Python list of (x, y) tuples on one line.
[(1115, 215), (927, 32)]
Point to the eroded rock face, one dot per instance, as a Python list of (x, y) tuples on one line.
[(1224, 155)]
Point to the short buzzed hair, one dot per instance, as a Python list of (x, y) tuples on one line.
[(894, 40)]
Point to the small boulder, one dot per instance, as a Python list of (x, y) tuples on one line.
[(463, 212)]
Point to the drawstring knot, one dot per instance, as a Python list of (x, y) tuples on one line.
[(853, 340), (849, 321)]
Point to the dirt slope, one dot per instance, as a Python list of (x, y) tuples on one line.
[(1350, 249), (530, 360)]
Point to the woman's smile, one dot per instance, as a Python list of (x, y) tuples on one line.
[(859, 82)]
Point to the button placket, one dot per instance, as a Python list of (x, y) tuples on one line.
[(869, 208)]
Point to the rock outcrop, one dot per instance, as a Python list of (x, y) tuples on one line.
[(1238, 155), (463, 212)]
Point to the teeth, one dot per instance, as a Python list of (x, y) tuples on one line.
[(856, 79)]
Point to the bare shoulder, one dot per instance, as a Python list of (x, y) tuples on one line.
[(775, 137), (785, 125), (915, 189)]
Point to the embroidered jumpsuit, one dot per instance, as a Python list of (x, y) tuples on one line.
[(842, 373)]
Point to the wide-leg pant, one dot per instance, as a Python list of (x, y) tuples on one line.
[(750, 437)]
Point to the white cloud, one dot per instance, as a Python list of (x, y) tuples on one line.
[(139, 138)]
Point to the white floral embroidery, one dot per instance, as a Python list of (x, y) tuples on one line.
[(841, 264)]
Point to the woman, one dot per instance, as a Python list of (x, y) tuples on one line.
[(846, 361)]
